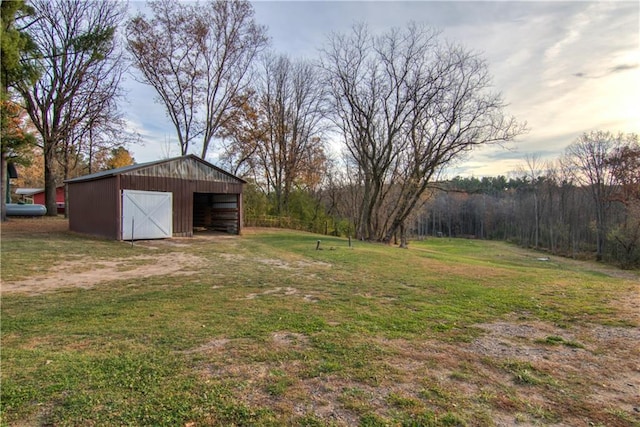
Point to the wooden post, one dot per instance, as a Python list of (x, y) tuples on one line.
[(318, 245)]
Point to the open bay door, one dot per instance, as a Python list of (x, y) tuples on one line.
[(146, 215)]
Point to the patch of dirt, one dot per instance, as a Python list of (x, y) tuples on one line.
[(276, 263), (594, 367), (283, 292), (213, 345), (278, 291), (290, 339), (608, 354), (75, 274)]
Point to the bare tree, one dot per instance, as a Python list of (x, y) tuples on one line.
[(274, 133), (198, 58), (101, 129), (370, 108), (290, 100), (625, 168), (408, 105), (104, 134), (588, 157), (80, 73), (532, 171)]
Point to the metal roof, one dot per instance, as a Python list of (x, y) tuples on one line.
[(152, 168), (28, 191)]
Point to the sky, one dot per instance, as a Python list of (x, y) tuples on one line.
[(564, 68)]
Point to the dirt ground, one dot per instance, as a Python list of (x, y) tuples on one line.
[(72, 273), (608, 360)]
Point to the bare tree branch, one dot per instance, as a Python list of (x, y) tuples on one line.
[(198, 58), (408, 105), (81, 66)]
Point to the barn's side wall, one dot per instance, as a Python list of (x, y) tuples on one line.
[(182, 190), (38, 199), (94, 207)]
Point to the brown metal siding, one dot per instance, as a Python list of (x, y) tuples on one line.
[(95, 202), (240, 213), (94, 207), (182, 190)]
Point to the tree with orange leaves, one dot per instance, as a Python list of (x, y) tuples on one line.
[(13, 136), (120, 157)]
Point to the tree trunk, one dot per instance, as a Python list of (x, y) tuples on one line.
[(404, 243), (4, 186), (537, 220), (364, 226), (600, 230), (50, 181)]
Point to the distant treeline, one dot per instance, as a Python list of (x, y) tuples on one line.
[(589, 210), (545, 214)]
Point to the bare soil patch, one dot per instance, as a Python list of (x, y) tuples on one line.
[(605, 359), (434, 374), (88, 273)]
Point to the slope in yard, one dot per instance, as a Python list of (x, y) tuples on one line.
[(263, 329)]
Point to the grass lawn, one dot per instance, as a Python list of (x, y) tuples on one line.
[(263, 329)]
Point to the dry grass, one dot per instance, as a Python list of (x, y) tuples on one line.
[(264, 330)]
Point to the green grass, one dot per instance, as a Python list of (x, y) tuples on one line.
[(266, 330), (556, 340)]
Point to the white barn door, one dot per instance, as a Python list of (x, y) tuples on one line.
[(146, 215)]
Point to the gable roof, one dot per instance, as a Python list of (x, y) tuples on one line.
[(186, 167), (28, 191), (32, 191)]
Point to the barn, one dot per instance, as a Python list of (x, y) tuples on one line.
[(160, 199), (36, 196)]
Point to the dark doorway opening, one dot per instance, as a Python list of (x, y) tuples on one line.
[(216, 212)]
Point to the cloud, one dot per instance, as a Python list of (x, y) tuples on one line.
[(611, 70), (623, 67)]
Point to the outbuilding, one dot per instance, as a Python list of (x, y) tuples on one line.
[(36, 196), (158, 199)]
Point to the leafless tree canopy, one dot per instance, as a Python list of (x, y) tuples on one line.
[(275, 135), (408, 105), (198, 59), (290, 98), (589, 159), (81, 68)]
